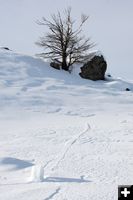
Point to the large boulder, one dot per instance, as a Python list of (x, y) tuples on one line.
[(94, 69)]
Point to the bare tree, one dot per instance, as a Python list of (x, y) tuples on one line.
[(64, 43)]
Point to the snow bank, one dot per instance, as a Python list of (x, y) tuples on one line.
[(28, 71)]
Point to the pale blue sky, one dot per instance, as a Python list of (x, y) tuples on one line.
[(110, 26)]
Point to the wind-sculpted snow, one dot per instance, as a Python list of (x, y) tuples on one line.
[(79, 133)]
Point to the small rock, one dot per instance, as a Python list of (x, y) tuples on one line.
[(6, 48), (127, 89), (55, 65)]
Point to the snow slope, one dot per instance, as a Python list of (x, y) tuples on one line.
[(80, 132)]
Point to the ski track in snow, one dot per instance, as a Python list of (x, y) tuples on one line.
[(53, 194), (70, 146), (42, 118)]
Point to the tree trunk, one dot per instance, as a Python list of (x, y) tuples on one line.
[(64, 63)]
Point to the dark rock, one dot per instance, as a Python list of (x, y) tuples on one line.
[(127, 89), (6, 48), (94, 69), (55, 65)]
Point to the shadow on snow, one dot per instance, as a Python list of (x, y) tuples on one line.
[(16, 164)]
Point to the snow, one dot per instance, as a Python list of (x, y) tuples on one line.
[(62, 137), (37, 174)]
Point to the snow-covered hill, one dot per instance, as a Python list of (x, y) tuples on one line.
[(80, 132)]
